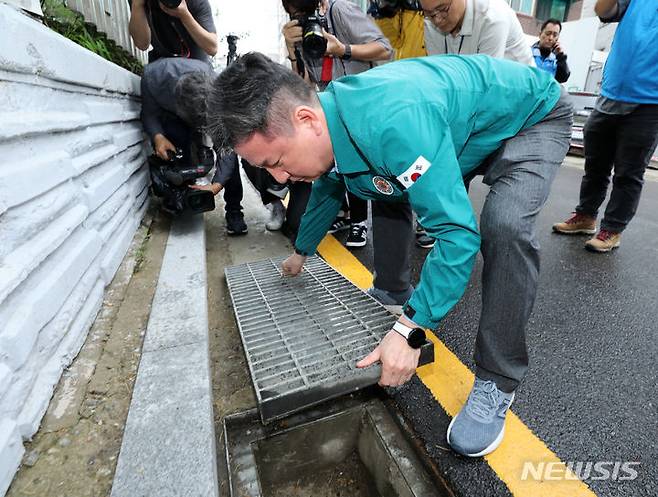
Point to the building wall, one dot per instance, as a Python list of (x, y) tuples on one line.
[(531, 25), (73, 189), (575, 11)]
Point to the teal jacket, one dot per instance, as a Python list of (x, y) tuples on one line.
[(411, 130)]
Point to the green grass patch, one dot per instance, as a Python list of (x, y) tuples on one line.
[(58, 17)]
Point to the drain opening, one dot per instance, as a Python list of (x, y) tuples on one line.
[(302, 338), (349, 448)]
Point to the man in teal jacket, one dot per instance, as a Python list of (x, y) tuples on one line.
[(413, 130)]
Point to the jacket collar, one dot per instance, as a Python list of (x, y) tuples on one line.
[(347, 156)]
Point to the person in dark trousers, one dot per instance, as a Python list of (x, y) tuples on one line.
[(187, 30), (354, 42), (548, 53), (621, 133), (174, 107), (411, 131), (285, 219)]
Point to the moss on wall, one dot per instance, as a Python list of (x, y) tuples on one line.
[(58, 17)]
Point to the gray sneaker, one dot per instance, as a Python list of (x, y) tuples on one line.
[(393, 301), (479, 427)]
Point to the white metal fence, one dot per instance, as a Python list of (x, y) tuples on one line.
[(110, 17)]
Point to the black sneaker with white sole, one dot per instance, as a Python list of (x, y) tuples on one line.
[(358, 236), (235, 224), (423, 240), (339, 224)]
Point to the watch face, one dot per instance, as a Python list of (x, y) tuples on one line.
[(416, 338)]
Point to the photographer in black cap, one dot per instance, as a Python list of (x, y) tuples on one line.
[(175, 28), (174, 114), (328, 39)]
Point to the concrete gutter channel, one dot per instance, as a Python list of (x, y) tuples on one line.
[(357, 444)]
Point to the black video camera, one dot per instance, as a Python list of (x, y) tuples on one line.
[(171, 180), (314, 43)]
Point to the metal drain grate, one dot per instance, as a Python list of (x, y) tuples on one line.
[(303, 336)]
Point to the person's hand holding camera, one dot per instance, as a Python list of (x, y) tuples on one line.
[(215, 188), (179, 12), (335, 48), (162, 146), (292, 33)]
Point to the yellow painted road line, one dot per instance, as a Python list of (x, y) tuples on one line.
[(450, 382)]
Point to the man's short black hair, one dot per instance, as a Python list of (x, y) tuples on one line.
[(551, 21), (300, 6), (255, 94), (191, 92)]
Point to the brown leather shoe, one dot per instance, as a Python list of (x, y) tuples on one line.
[(577, 224), (604, 241)]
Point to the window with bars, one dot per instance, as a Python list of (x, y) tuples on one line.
[(522, 6), (553, 9)]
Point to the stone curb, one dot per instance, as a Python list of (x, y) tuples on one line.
[(168, 446)]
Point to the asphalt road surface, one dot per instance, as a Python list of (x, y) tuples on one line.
[(591, 392)]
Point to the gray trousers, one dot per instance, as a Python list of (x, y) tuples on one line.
[(519, 175)]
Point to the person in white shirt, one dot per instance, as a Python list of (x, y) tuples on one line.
[(468, 27)]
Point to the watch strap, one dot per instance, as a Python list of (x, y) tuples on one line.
[(348, 53), (402, 329)]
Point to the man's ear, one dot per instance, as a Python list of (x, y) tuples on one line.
[(307, 116)]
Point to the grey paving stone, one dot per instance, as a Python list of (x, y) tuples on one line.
[(168, 447), (179, 313)]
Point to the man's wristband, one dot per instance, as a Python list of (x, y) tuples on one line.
[(348, 53), (291, 59)]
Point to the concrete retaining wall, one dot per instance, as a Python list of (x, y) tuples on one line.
[(73, 189)]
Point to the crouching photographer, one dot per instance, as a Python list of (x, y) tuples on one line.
[(174, 115)]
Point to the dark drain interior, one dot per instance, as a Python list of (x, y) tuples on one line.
[(349, 448), (347, 478)]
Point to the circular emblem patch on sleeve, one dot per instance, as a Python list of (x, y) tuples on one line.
[(382, 185)]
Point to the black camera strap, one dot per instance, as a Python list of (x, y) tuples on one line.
[(163, 28)]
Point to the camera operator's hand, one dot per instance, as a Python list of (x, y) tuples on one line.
[(335, 48), (215, 188), (293, 265), (180, 11), (162, 145), (292, 32)]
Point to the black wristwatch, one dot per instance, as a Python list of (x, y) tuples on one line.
[(348, 53), (415, 336)]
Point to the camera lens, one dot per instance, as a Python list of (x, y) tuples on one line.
[(313, 41)]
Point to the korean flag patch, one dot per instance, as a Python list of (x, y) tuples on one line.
[(415, 171)]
